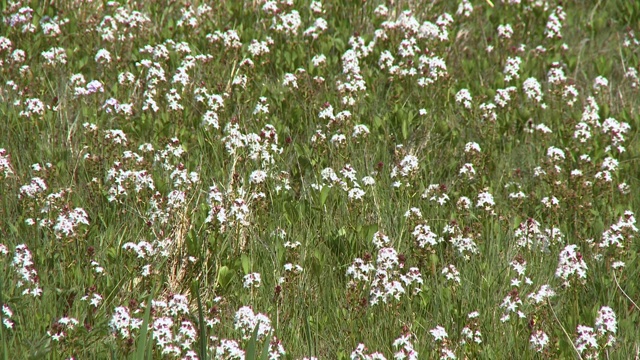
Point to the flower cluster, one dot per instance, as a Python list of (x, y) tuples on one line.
[(386, 280)]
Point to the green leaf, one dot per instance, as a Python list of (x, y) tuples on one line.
[(224, 276), (251, 346), (371, 229), (142, 339), (307, 326), (5, 352), (265, 348), (377, 122), (202, 336), (405, 128), (342, 232), (246, 263), (324, 193), (319, 255)]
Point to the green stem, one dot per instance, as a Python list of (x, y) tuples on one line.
[(5, 353)]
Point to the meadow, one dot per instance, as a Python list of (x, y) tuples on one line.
[(297, 179)]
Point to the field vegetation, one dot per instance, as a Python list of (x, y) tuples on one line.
[(296, 179)]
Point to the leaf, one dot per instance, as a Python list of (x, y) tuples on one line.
[(320, 257), (265, 348), (342, 232), (433, 262), (4, 338), (377, 122), (598, 225), (142, 339), (202, 336), (301, 150), (224, 276), (370, 230), (251, 346), (246, 262), (304, 163), (405, 128), (291, 211), (324, 193), (516, 222), (307, 326)]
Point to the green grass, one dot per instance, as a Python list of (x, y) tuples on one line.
[(317, 311)]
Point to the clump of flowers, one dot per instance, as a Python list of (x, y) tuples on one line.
[(386, 279), (571, 266), (406, 168), (246, 321), (531, 235), (5, 164), (404, 346), (27, 275), (591, 341), (442, 341), (61, 328), (616, 240), (360, 354)]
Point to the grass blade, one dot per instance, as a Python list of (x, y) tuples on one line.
[(203, 327), (250, 354), (142, 339), (5, 353), (307, 326), (265, 348)]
